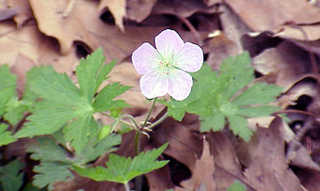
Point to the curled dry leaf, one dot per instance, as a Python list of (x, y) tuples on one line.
[(56, 20), (117, 9), (285, 61), (23, 8)]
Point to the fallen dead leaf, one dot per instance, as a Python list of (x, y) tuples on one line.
[(36, 47), (66, 28), (138, 10), (117, 9), (268, 169), (202, 174), (273, 14), (24, 12), (285, 61)]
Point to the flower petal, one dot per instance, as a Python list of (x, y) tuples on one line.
[(168, 42), (189, 58), (154, 84), (180, 85), (145, 58)]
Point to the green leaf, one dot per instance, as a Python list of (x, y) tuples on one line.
[(47, 150), (64, 105), (104, 100), (15, 110), (5, 136), (237, 186), (30, 187), (215, 123), (49, 173), (91, 73), (122, 170), (7, 86), (56, 159), (261, 93), (227, 97), (11, 178), (239, 126)]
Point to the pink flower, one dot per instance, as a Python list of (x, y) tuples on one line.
[(165, 69)]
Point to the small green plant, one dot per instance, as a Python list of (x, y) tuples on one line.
[(61, 113)]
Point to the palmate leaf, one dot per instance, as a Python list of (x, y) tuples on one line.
[(49, 173), (217, 98), (7, 86), (11, 177), (56, 160), (122, 170), (5, 136), (64, 105)]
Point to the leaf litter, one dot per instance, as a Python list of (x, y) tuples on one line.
[(281, 38)]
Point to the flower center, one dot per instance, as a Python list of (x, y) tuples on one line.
[(166, 66)]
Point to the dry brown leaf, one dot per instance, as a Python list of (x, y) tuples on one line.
[(272, 14), (28, 41), (202, 174), (7, 13), (220, 47), (302, 33), (309, 179), (69, 26), (268, 169), (227, 165), (117, 9), (23, 8), (306, 86), (184, 8), (287, 61), (211, 2), (185, 146), (233, 27), (138, 10)]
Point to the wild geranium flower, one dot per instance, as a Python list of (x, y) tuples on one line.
[(165, 68)]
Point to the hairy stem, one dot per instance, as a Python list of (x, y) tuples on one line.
[(165, 116), (149, 113)]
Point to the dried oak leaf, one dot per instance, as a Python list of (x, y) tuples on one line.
[(138, 10), (272, 14), (55, 19), (29, 42), (287, 61), (202, 174), (117, 9), (268, 168), (23, 8)]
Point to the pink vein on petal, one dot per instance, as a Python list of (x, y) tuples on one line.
[(168, 42), (189, 58), (180, 85), (145, 58), (154, 84)]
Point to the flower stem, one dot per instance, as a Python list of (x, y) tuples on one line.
[(134, 124), (149, 113), (126, 187), (158, 121), (137, 142)]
